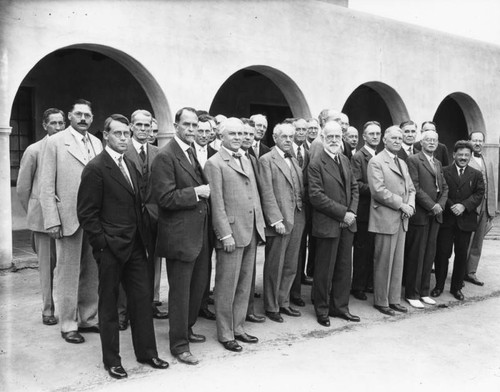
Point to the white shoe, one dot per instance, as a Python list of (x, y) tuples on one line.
[(415, 303), (428, 301)]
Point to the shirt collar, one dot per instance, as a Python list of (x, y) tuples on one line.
[(78, 136), (370, 150), (115, 155), (281, 152), (184, 146), (459, 168), (138, 146), (231, 152), (391, 155), (198, 147), (333, 156)]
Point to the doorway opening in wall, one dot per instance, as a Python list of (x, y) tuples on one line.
[(260, 90), (22, 121), (62, 77), (374, 101)]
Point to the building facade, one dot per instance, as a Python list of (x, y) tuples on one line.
[(282, 58)]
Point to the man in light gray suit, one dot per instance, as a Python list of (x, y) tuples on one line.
[(65, 156), (392, 204), (238, 225), (486, 210), (28, 191), (282, 194)]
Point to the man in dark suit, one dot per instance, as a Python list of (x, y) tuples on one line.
[(260, 124), (362, 268), (238, 225), (441, 153), (203, 152), (181, 191), (430, 199), (409, 129), (333, 194), (345, 147), (282, 195), (465, 194), (141, 154), (486, 210), (109, 210)]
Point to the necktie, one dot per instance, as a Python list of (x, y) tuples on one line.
[(288, 155), (256, 149), (461, 172), (410, 150), (433, 165), (122, 169), (396, 161), (142, 154), (477, 154), (339, 164), (237, 156), (300, 157), (87, 145), (194, 163)]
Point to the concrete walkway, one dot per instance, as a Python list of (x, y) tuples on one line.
[(34, 357)]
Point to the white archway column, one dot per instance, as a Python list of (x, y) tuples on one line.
[(5, 201)]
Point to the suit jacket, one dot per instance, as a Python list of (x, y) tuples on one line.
[(390, 188), (441, 153), (404, 155), (330, 198), (28, 184), (467, 190), (277, 191), (182, 218), (145, 181), (489, 183), (347, 151), (425, 179), (234, 198), (63, 162), (359, 165), (263, 149), (109, 210)]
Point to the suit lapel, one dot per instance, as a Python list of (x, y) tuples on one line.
[(73, 147), (133, 156), (282, 165), (231, 161), (328, 164), (391, 163), (183, 161), (117, 175)]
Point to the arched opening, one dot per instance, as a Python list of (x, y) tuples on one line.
[(456, 116), (375, 101), (113, 81), (260, 89)]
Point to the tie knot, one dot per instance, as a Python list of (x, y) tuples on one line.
[(236, 155), (477, 154), (288, 155), (142, 148)]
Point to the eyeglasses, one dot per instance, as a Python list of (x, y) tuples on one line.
[(87, 116)]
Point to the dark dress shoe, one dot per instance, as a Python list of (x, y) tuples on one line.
[(157, 303), (232, 345), (290, 312), (253, 318), (324, 321), (346, 316), (298, 301), (307, 281), (207, 314), (160, 315), (385, 310), (92, 329), (123, 325), (117, 372), (398, 308), (246, 338), (210, 301), (195, 338), (436, 292), (187, 358), (257, 295), (49, 320), (72, 337), (473, 280), (275, 316), (458, 295), (155, 362), (358, 294)]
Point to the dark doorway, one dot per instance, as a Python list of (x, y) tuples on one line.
[(450, 123), (249, 92)]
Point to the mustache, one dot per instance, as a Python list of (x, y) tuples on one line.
[(82, 123)]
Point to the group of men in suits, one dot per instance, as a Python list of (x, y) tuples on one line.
[(216, 185)]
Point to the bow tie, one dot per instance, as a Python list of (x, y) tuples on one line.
[(236, 155), (477, 154), (288, 155)]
